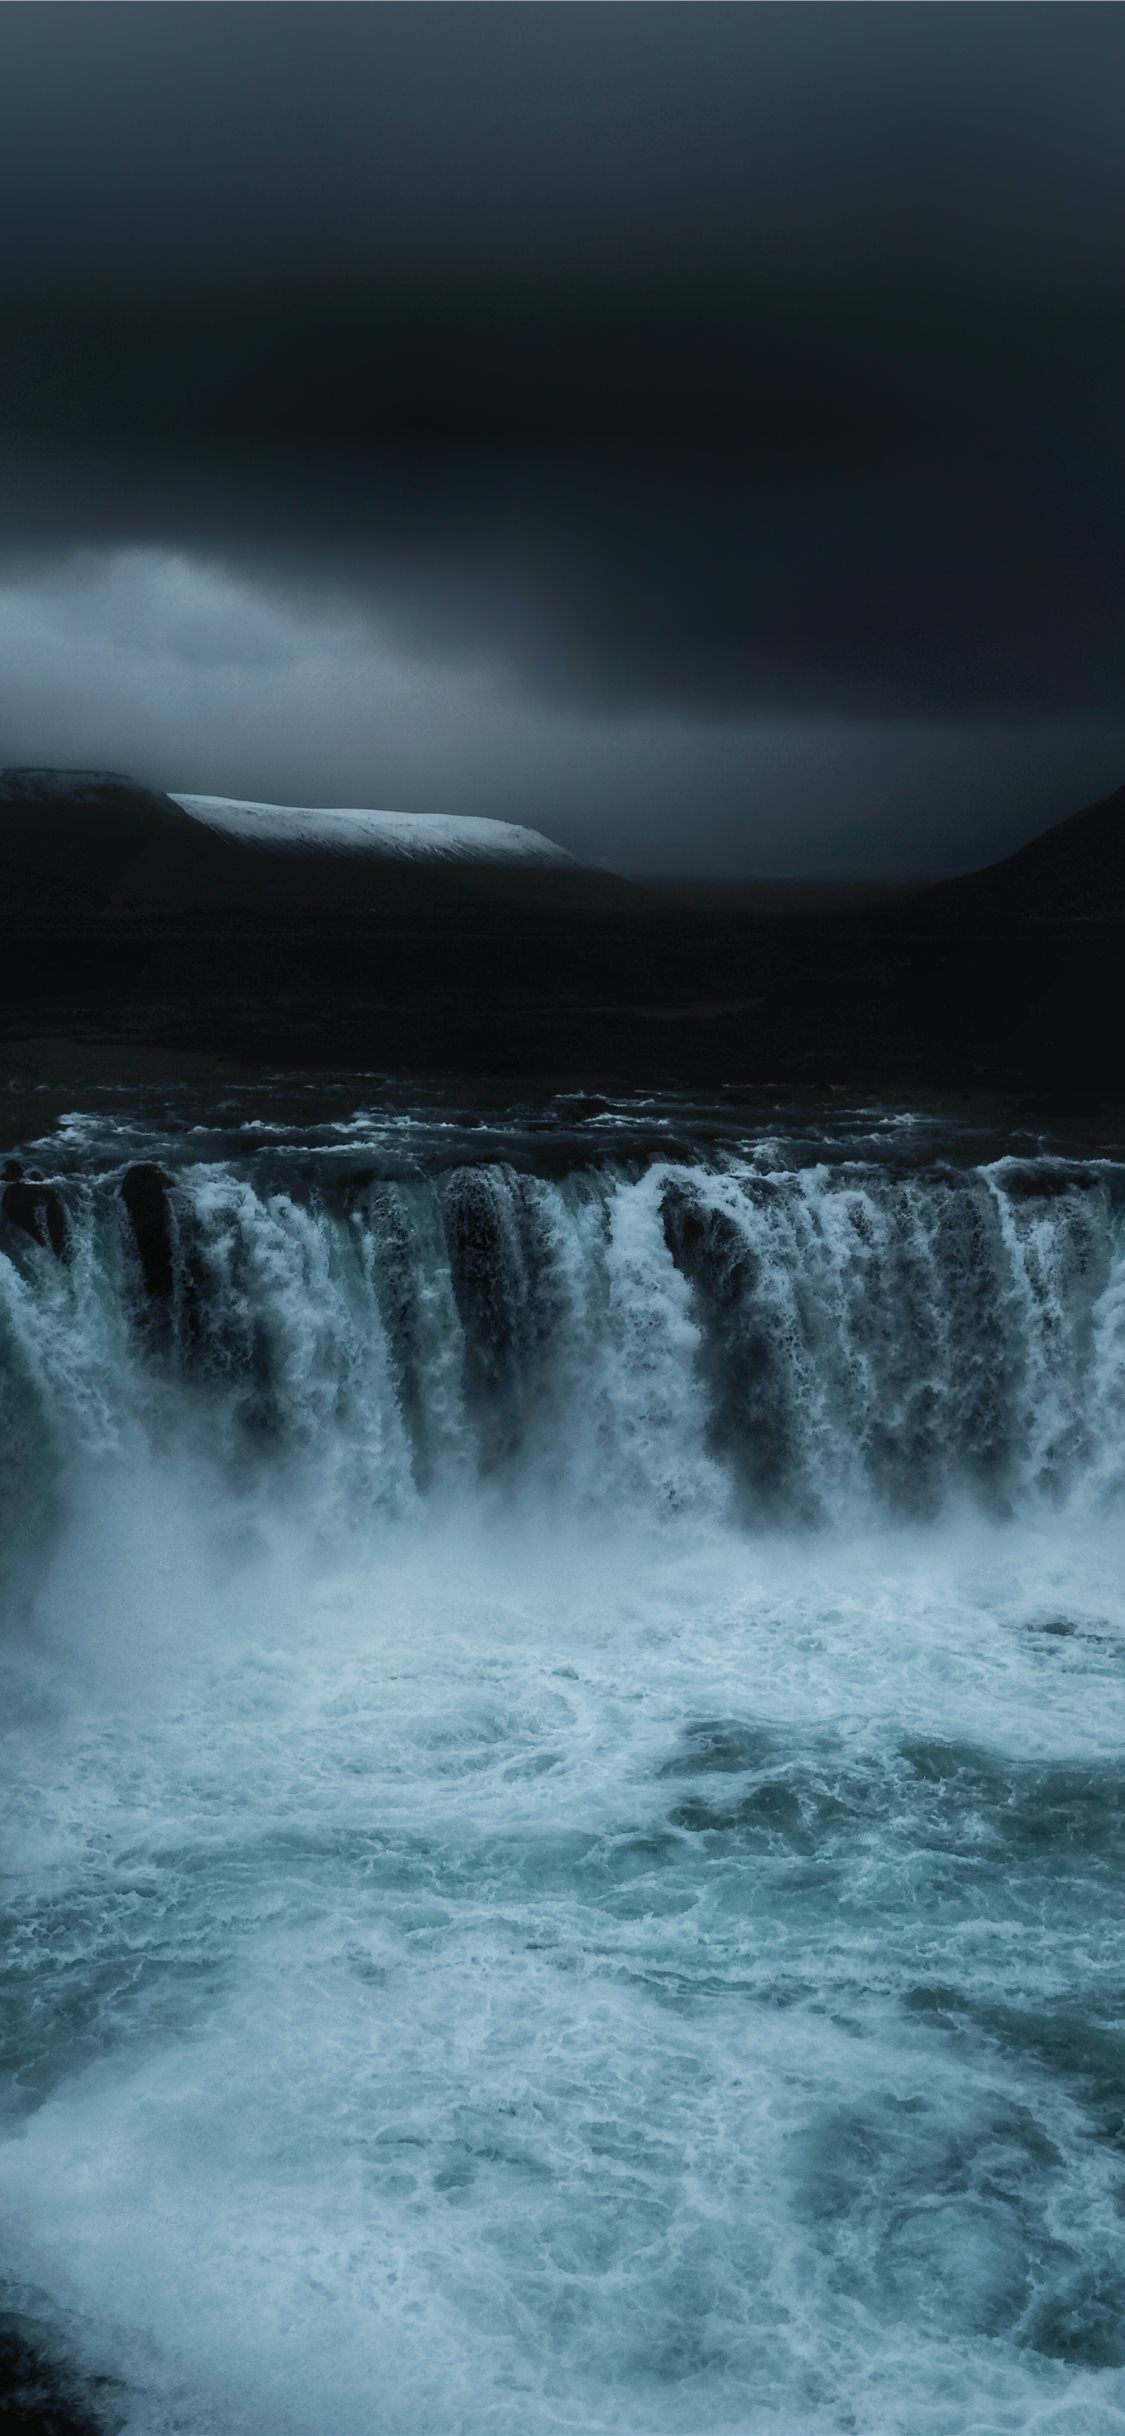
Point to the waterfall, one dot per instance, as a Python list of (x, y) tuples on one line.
[(561, 1715), (804, 1343)]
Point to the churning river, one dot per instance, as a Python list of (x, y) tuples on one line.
[(563, 1716)]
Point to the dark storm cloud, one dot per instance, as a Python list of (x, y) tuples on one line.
[(732, 362)]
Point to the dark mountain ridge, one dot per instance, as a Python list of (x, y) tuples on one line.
[(1073, 872), (127, 925), (119, 844)]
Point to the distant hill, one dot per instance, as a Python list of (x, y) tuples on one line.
[(131, 922), (89, 837), (413, 837), (93, 838), (1074, 872)]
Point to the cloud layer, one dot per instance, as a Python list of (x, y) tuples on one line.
[(641, 400)]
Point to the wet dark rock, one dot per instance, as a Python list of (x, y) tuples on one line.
[(36, 2401), (1036, 1183), (35, 1207), (1098, 1631), (144, 1191)]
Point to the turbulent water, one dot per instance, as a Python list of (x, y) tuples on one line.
[(563, 1718)]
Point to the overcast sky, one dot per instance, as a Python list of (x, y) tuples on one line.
[(695, 430)]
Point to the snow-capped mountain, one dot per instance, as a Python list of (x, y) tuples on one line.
[(117, 843), (402, 836)]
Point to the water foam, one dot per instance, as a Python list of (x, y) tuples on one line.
[(612, 1989), (823, 1344), (508, 1929)]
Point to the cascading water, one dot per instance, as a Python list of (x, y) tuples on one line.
[(806, 1346), (563, 1746)]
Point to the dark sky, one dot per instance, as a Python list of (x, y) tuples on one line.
[(695, 429)]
